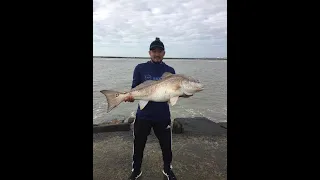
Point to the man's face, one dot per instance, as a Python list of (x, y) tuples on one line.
[(157, 54)]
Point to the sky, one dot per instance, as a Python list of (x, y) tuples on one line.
[(188, 28)]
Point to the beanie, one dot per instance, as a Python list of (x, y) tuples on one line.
[(156, 44)]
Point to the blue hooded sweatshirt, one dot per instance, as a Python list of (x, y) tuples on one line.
[(152, 71)]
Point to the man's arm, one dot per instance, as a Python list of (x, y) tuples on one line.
[(173, 71)]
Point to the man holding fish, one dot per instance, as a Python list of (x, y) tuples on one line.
[(156, 86)]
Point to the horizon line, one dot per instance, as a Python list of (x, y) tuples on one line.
[(136, 57)]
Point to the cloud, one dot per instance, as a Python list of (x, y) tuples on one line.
[(188, 28)]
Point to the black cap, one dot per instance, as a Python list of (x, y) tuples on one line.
[(156, 44)]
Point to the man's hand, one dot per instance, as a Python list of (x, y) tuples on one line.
[(129, 99)]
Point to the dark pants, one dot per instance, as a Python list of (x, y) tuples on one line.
[(162, 129)]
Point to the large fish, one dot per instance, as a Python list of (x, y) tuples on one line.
[(168, 89)]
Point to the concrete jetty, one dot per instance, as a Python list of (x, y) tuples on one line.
[(199, 152)]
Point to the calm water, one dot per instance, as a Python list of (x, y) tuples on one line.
[(116, 74)]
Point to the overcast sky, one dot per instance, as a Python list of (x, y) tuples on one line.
[(188, 28)]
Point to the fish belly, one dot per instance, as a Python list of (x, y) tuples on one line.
[(163, 94), (156, 93)]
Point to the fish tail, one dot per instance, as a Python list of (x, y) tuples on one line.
[(114, 98)]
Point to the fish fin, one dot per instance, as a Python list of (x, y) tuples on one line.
[(144, 84), (113, 98), (166, 74), (142, 104), (186, 96), (174, 100), (189, 94)]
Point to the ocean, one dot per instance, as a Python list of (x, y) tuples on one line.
[(116, 74)]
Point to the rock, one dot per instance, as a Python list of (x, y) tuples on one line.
[(177, 127), (111, 127), (130, 120), (115, 121), (224, 125), (201, 126)]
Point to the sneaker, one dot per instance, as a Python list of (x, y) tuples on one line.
[(169, 175), (135, 175)]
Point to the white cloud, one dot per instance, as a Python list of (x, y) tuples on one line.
[(188, 28)]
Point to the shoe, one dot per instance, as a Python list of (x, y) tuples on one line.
[(169, 175), (135, 175)]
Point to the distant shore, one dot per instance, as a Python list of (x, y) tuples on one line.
[(218, 58)]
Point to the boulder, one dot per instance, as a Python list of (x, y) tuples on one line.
[(111, 127), (177, 127), (199, 125)]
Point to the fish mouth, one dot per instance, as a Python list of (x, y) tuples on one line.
[(200, 89)]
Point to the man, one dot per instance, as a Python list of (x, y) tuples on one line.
[(155, 115)]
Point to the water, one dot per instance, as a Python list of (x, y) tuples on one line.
[(116, 74)]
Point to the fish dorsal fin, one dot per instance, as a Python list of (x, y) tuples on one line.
[(144, 84), (166, 74)]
